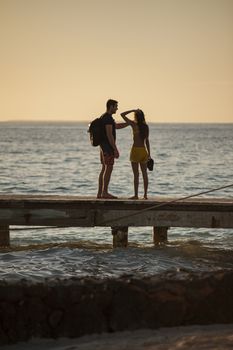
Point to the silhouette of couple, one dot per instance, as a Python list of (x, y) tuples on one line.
[(140, 151)]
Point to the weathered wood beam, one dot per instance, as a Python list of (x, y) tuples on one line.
[(165, 218), (48, 217), (108, 217)]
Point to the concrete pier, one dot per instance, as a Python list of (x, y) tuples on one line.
[(159, 235), (4, 235), (119, 214), (120, 236)]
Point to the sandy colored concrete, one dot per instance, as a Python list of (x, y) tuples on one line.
[(217, 337)]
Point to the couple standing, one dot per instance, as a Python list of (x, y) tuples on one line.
[(140, 152)]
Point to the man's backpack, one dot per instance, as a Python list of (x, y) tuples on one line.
[(96, 130)]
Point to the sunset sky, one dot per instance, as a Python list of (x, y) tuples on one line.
[(62, 59)]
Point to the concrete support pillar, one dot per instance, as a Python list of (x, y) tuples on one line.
[(120, 236), (4, 235), (159, 235)]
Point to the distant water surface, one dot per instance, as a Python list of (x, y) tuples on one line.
[(57, 158)]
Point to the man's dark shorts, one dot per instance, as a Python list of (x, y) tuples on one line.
[(106, 154)]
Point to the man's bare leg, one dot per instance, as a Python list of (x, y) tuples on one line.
[(106, 180), (100, 188)]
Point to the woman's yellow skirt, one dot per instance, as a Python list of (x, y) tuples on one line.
[(138, 155)]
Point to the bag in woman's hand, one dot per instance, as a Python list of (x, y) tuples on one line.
[(150, 164)]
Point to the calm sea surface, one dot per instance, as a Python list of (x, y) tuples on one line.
[(56, 158)]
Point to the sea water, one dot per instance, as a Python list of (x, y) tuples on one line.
[(57, 158)]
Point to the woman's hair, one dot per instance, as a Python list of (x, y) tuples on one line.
[(143, 127)]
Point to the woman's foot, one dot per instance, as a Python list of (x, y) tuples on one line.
[(145, 197), (134, 197), (108, 196)]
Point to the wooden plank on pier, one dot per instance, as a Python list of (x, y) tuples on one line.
[(78, 211)]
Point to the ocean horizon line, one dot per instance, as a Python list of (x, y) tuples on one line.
[(24, 121)]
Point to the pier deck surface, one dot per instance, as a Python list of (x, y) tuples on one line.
[(63, 210)]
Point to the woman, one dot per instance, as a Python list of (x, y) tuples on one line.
[(140, 152)]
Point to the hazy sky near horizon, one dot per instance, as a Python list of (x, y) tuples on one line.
[(62, 59)]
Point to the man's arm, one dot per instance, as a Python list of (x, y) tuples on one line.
[(111, 140), (121, 125)]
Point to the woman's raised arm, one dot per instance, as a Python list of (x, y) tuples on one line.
[(126, 119)]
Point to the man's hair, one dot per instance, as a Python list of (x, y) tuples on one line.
[(111, 103)]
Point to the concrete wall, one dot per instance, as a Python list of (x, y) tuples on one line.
[(76, 307)]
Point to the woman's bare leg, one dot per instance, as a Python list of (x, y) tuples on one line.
[(145, 178), (136, 179)]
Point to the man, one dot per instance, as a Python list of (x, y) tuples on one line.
[(108, 148)]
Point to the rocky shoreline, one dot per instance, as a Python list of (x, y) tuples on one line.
[(81, 306)]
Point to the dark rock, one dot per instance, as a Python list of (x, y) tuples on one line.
[(71, 308), (55, 318)]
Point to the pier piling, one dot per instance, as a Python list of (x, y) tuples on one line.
[(4, 236), (120, 236), (159, 235)]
